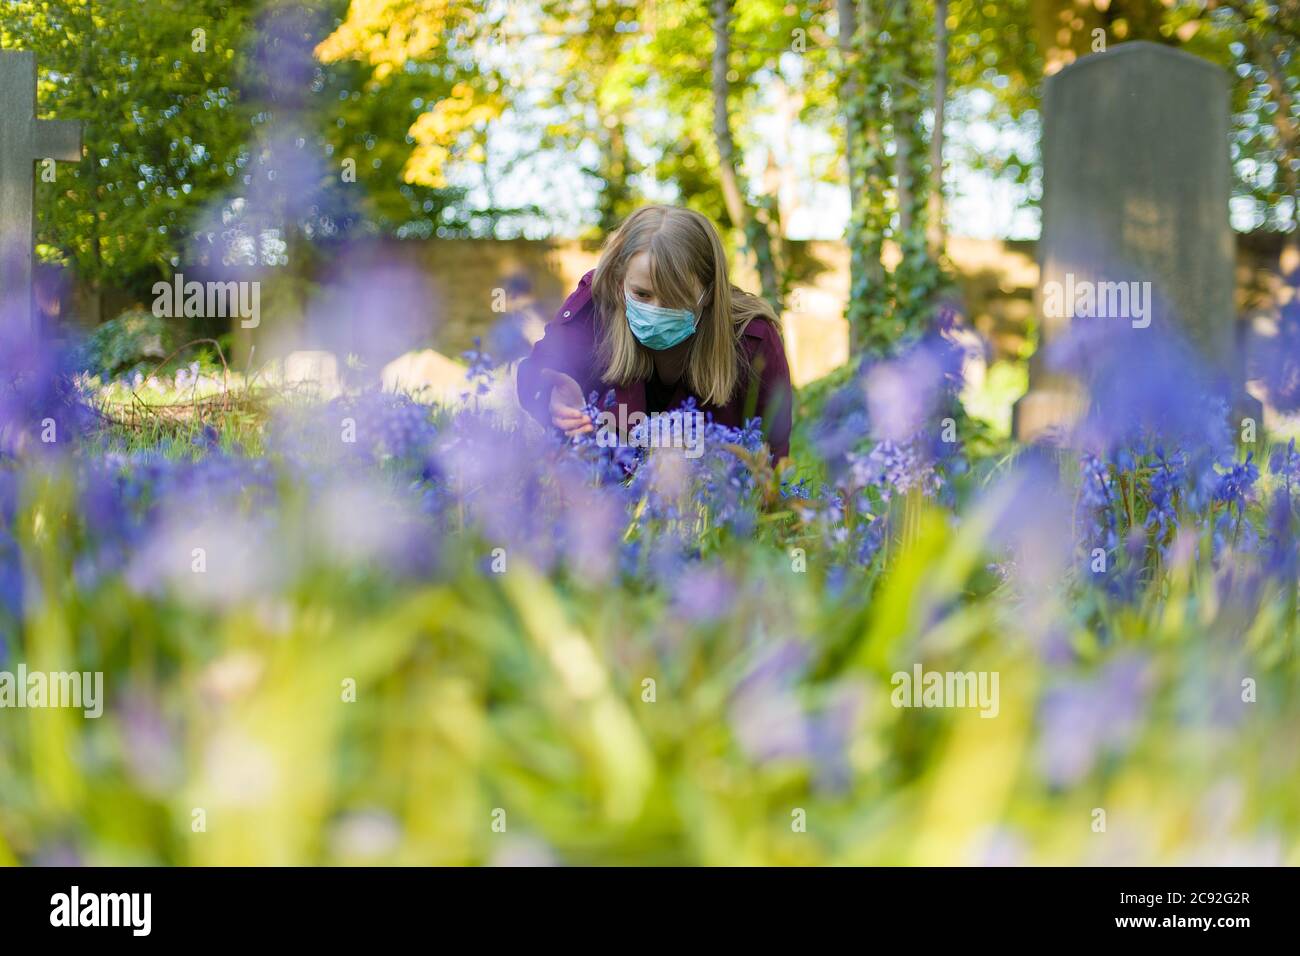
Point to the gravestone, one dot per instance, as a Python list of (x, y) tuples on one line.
[(24, 140), (315, 371), (1136, 183), (426, 376)]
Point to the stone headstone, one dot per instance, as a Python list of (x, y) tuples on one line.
[(1136, 183), (316, 372), (24, 140), (426, 376)]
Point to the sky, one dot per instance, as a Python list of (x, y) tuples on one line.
[(520, 172), (980, 205)]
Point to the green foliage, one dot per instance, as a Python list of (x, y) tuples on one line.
[(164, 126), (135, 341), (177, 99), (596, 724), (884, 87)]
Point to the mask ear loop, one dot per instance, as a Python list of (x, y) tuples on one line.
[(699, 310)]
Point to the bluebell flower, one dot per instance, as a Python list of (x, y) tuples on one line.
[(1083, 720), (1095, 516), (1142, 385), (1166, 482), (1285, 464), (479, 372), (1275, 361), (1236, 484)]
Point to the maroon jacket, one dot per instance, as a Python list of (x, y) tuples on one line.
[(569, 346)]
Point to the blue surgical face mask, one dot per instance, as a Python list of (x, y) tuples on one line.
[(658, 328)]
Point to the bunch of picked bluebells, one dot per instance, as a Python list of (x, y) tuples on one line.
[(608, 460)]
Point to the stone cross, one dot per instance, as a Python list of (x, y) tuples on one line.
[(23, 141), (1136, 183)]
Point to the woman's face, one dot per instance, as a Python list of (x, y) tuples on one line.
[(637, 284)]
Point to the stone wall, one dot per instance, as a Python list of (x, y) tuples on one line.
[(996, 279), (468, 278)]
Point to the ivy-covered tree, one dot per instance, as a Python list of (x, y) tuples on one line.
[(709, 136), (888, 53)]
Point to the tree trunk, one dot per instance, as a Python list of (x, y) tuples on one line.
[(936, 233), (90, 74), (754, 232), (616, 168), (904, 120), (868, 174), (1288, 135)]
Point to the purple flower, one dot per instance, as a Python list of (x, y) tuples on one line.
[(766, 714), (479, 372), (1027, 512), (1143, 384), (1167, 476), (41, 409), (903, 394), (1237, 484), (1275, 361), (1085, 719), (894, 469), (1285, 463), (704, 594)]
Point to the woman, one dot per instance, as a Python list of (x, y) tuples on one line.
[(659, 322)]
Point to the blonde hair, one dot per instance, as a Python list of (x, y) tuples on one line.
[(688, 270)]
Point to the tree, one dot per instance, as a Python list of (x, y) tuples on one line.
[(421, 99), (937, 233), (753, 225), (592, 86), (886, 65), (155, 87)]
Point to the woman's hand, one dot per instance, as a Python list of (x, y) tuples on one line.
[(567, 404)]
